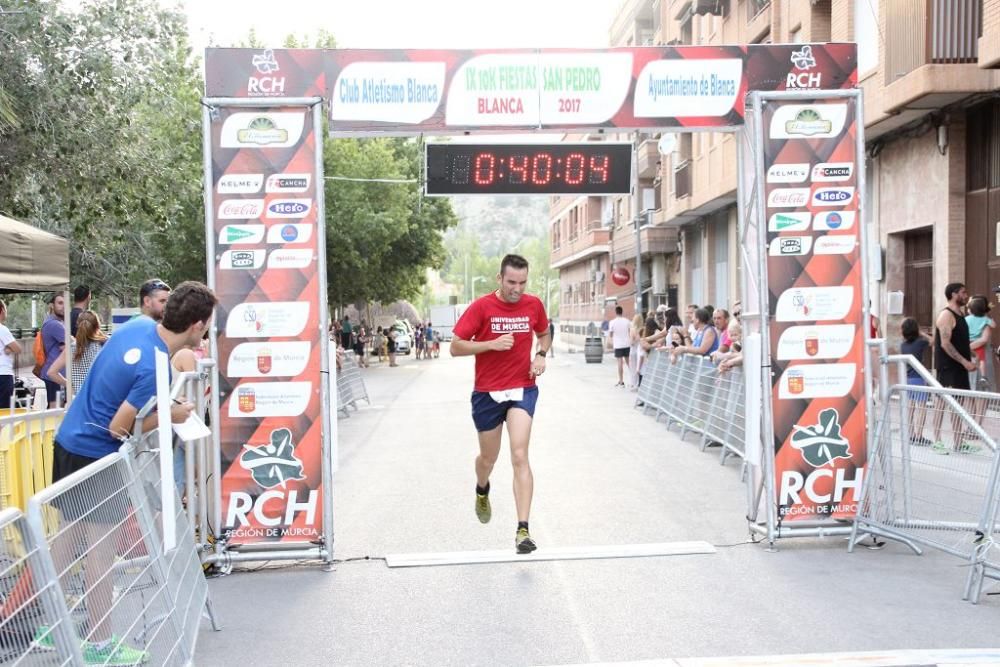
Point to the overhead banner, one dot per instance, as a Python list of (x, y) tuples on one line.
[(814, 274), (441, 92), (264, 204)]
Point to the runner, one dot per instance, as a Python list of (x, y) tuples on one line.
[(497, 329)]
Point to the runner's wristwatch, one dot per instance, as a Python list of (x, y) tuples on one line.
[(540, 353)]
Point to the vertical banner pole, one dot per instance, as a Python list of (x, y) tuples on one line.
[(859, 154), (637, 205), (165, 436), (327, 387)]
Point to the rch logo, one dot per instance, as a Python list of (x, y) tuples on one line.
[(822, 443), (275, 463), (804, 60), (265, 63)]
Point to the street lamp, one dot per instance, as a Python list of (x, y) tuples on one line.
[(472, 287)]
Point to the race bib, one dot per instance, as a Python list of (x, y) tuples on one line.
[(505, 395)]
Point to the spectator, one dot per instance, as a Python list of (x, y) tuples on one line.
[(390, 335), (705, 340), (953, 361), (53, 341), (980, 331), (84, 347), (346, 331), (670, 327), (430, 342), (418, 340), (9, 349), (720, 318), (734, 357), (379, 343), (81, 302), (916, 342), (153, 295), (618, 340), (634, 336), (552, 337), (691, 329), (645, 349), (360, 344)]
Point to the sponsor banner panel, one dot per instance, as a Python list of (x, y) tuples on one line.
[(817, 339), (269, 339), (413, 91)]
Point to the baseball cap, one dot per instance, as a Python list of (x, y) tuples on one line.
[(996, 290), (662, 308)]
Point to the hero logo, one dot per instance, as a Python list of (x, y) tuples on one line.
[(288, 183), (240, 184), (262, 86), (240, 209), (829, 172), (803, 61), (289, 208), (787, 173), (832, 196), (788, 197)]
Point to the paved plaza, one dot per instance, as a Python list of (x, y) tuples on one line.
[(605, 475)]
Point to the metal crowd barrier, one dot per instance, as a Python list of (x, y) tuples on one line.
[(350, 385), (932, 474), (26, 453), (102, 529), (695, 395)]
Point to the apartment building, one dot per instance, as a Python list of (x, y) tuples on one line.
[(930, 72)]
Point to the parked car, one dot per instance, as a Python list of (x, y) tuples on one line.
[(404, 336)]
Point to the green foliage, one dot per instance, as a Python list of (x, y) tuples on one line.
[(105, 150), (380, 236)]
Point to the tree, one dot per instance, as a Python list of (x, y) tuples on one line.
[(106, 148), (381, 236)]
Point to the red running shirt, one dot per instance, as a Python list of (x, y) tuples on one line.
[(487, 318)]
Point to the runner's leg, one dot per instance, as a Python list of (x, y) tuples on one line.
[(489, 450), (519, 432)]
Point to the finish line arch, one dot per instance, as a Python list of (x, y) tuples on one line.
[(798, 117)]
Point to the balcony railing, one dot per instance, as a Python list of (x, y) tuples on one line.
[(921, 32), (755, 7)]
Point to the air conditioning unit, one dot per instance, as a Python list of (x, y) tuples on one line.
[(598, 276)]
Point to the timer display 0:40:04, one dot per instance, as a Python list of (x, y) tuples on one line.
[(539, 169)]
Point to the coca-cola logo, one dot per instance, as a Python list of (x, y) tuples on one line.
[(241, 209)]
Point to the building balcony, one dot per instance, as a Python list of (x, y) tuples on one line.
[(989, 43), (648, 159), (654, 240), (932, 53), (587, 244), (758, 19)]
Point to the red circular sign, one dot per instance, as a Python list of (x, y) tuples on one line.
[(620, 276)]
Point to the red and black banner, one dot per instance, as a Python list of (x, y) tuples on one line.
[(263, 201), (444, 91), (814, 271)]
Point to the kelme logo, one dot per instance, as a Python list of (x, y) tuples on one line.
[(822, 443), (275, 463), (262, 131)]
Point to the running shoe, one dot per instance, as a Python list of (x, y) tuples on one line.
[(968, 448), (920, 441), (940, 448), (483, 509), (43, 638), (523, 542), (114, 653)]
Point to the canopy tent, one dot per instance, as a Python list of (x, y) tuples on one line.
[(32, 260)]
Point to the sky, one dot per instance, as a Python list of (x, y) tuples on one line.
[(386, 24)]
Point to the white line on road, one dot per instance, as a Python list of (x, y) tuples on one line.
[(557, 553)]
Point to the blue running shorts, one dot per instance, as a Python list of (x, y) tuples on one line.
[(488, 414)]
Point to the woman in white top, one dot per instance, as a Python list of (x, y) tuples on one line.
[(85, 348), (635, 353), (9, 349)]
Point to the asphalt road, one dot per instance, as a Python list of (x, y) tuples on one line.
[(604, 475)]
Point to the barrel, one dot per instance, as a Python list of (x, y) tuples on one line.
[(593, 350)]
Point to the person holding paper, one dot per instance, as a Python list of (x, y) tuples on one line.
[(497, 329), (121, 382)]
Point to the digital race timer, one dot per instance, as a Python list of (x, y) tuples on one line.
[(592, 168)]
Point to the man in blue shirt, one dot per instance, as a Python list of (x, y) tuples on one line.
[(53, 339), (121, 382)]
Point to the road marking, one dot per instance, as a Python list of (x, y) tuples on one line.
[(908, 658), (556, 553)]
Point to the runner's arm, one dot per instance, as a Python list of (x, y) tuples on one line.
[(544, 342), (464, 348)]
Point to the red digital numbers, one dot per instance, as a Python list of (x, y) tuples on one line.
[(599, 168), (575, 163), (519, 169), (541, 169), (484, 172)]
